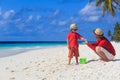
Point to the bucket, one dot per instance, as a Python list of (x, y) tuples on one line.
[(82, 60)]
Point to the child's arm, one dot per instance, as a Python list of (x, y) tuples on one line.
[(68, 44), (80, 37), (83, 39)]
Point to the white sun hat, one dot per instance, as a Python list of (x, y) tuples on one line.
[(98, 31), (73, 26)]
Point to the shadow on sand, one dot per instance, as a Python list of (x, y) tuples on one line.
[(114, 60)]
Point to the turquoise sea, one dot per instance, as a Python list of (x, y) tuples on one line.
[(11, 48), (16, 47), (24, 44)]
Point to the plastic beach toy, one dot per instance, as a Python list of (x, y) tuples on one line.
[(82, 60)]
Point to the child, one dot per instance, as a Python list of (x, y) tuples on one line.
[(72, 43)]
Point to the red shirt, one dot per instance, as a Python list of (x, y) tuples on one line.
[(73, 39), (103, 43)]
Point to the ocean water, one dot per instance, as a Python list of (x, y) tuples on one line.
[(15, 44), (14, 47)]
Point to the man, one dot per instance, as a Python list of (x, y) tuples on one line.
[(102, 47)]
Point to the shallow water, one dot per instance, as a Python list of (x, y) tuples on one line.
[(13, 48)]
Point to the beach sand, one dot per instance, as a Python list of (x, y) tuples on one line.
[(51, 64)]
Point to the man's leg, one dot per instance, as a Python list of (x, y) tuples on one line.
[(101, 54)]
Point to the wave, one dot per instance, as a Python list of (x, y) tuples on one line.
[(16, 50)]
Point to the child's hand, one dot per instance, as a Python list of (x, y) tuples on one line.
[(85, 41)]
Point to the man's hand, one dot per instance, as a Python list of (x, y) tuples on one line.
[(85, 41)]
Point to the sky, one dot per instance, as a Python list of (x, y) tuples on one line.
[(49, 20)]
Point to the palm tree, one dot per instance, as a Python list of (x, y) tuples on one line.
[(116, 34), (108, 5)]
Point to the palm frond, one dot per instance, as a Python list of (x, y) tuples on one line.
[(103, 10), (90, 1), (98, 2), (110, 7), (117, 2), (112, 12)]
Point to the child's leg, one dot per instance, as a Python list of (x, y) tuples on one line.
[(69, 60), (76, 60), (76, 53), (70, 55)]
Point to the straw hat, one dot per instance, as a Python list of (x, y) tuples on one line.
[(73, 26), (98, 32)]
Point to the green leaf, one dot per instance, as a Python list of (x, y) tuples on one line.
[(98, 2)]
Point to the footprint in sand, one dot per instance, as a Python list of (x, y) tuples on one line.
[(53, 71), (12, 78), (12, 71), (44, 79), (43, 70), (6, 68), (25, 68)]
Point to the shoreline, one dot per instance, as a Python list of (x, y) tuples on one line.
[(18, 50), (51, 64)]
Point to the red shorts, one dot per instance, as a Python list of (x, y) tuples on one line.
[(73, 52)]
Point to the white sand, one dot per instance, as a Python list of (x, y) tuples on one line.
[(51, 64)]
